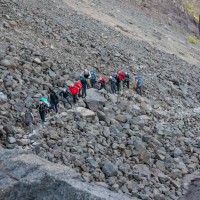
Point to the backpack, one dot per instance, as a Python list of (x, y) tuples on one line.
[(139, 81), (93, 76), (43, 99)]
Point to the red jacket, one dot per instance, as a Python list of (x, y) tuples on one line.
[(78, 84), (74, 90), (121, 76)]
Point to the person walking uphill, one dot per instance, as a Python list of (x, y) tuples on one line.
[(127, 79), (79, 85), (87, 75), (53, 100), (84, 86), (102, 82), (74, 91), (43, 109), (93, 79), (113, 81), (65, 95), (138, 84)]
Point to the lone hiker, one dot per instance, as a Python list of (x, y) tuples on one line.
[(65, 97), (29, 119), (84, 86), (43, 109), (113, 82), (74, 91), (138, 83), (53, 100)]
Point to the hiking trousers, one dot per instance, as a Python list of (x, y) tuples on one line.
[(84, 91), (113, 88), (42, 115), (54, 105)]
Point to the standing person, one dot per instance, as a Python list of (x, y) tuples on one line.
[(43, 109), (29, 119), (93, 79), (74, 91), (79, 85), (102, 82), (65, 95), (53, 100), (113, 82), (117, 81), (121, 77), (84, 86), (138, 83), (127, 79), (87, 75)]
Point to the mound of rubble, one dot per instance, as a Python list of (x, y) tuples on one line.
[(142, 146)]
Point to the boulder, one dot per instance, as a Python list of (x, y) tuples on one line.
[(3, 97), (8, 63), (121, 118), (109, 169), (39, 179), (94, 99), (85, 112)]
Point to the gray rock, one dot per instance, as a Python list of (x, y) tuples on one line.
[(94, 99), (11, 140), (8, 63), (121, 118), (23, 142), (3, 97), (85, 112), (109, 169), (177, 152), (31, 173)]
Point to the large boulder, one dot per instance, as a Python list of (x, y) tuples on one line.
[(26, 176), (94, 99), (85, 112)]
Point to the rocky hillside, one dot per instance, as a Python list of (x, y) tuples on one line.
[(142, 146)]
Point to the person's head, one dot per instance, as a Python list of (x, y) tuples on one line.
[(126, 73), (41, 102), (64, 90), (110, 77), (71, 85), (119, 72)]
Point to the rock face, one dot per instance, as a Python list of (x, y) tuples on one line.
[(26, 176)]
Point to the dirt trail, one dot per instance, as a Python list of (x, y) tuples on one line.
[(167, 43)]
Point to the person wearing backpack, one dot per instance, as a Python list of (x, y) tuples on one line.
[(138, 84), (43, 109), (127, 80), (65, 97), (93, 79), (102, 82), (113, 82), (84, 86), (53, 100), (121, 77), (74, 91), (87, 76), (79, 85), (29, 119)]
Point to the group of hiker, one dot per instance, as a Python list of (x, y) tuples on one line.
[(88, 79)]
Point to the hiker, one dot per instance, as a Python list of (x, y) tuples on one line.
[(28, 120), (102, 82), (43, 109), (121, 77), (53, 100), (113, 82), (126, 79), (138, 83), (87, 75), (93, 79), (65, 97), (74, 91), (84, 86), (79, 85)]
